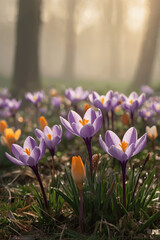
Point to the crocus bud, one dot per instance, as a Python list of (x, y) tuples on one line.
[(42, 122), (78, 171), (3, 126), (152, 132)]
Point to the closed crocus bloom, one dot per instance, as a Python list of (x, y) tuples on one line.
[(43, 122), (78, 171), (152, 132), (3, 126), (10, 137)]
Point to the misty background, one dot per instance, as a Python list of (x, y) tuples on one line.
[(115, 42)]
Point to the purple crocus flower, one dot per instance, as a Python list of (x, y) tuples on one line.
[(35, 98), (2, 103), (85, 128), (76, 95), (101, 101), (145, 114), (132, 103), (156, 107), (13, 105), (52, 137), (4, 93), (147, 89), (123, 150), (56, 102), (29, 155)]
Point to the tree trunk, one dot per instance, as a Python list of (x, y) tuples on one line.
[(69, 58), (114, 28), (148, 51), (26, 70)]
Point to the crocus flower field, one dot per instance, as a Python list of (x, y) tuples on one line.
[(80, 165)]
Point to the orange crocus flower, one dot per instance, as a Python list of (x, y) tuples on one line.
[(43, 122), (3, 126), (10, 137), (78, 171)]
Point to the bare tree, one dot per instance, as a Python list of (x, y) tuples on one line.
[(147, 55), (26, 69)]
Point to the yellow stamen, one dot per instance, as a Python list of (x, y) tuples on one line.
[(28, 151), (158, 107), (34, 98), (49, 137), (131, 101), (102, 100), (123, 145), (84, 122)]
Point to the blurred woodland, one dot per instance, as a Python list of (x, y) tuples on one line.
[(98, 40)]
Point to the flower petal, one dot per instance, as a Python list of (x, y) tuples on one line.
[(17, 150), (117, 153), (140, 144), (90, 115), (77, 128), (67, 125), (14, 160), (35, 154), (39, 134), (97, 124), (130, 136), (103, 144), (129, 151), (87, 131), (111, 139), (73, 117), (42, 147), (29, 143)]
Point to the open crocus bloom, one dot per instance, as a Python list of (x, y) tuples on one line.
[(125, 149), (133, 102), (152, 132), (102, 102), (52, 137), (13, 105), (29, 155), (76, 95), (86, 127), (156, 107), (35, 98)]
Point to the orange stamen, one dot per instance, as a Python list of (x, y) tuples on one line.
[(123, 145), (28, 151), (131, 101), (102, 100), (49, 137), (84, 122)]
